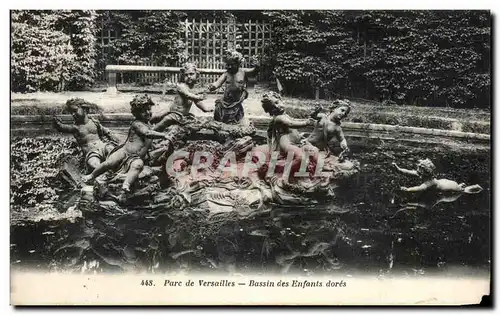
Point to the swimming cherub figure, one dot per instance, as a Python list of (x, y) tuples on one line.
[(445, 190)]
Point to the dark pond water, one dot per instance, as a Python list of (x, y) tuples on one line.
[(355, 234)]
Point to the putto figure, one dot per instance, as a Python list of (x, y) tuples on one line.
[(425, 170), (129, 157), (178, 117), (96, 141), (433, 191), (229, 109), (328, 126), (282, 133), (179, 113)]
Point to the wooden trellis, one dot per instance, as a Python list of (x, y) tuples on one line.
[(205, 43), (107, 35), (207, 40)]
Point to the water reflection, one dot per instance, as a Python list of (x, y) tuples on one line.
[(358, 233)]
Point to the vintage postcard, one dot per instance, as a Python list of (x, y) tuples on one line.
[(286, 157)]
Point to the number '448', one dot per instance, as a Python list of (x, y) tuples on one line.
[(147, 282)]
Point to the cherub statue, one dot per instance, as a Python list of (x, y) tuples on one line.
[(179, 113), (426, 172), (282, 133), (328, 126), (129, 157), (229, 109), (94, 139)]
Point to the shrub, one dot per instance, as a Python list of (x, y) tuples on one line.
[(51, 48), (433, 58), (41, 58), (34, 169), (146, 36), (81, 25)]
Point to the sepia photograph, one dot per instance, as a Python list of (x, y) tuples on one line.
[(250, 157)]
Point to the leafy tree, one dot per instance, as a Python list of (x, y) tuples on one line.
[(437, 58), (146, 36), (82, 28), (41, 56), (52, 47)]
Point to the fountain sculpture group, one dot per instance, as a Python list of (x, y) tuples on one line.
[(166, 161)]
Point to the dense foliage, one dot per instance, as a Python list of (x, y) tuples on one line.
[(145, 36), (52, 48), (151, 36), (434, 58), (34, 170), (41, 56), (81, 25)]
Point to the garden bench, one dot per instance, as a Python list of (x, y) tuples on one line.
[(112, 70)]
